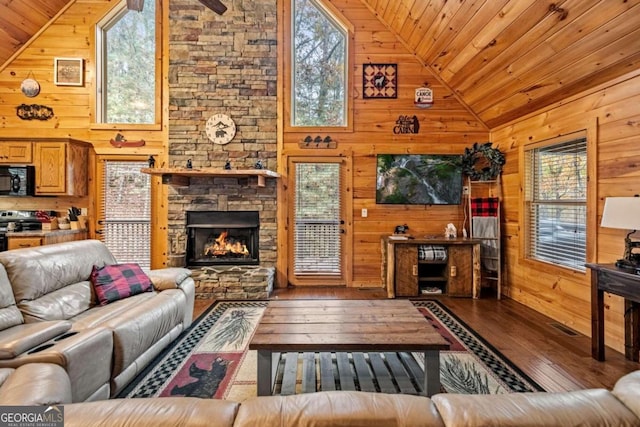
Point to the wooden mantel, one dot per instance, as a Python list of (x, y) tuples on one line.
[(181, 176)]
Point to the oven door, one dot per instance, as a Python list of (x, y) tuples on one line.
[(6, 182)]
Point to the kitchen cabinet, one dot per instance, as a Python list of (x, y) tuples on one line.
[(16, 152), (29, 239), (408, 270), (61, 167), (23, 242)]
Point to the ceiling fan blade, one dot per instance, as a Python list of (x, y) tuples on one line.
[(215, 5)]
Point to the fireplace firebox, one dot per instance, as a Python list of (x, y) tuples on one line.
[(222, 238)]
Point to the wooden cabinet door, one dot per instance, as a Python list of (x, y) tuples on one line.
[(460, 271), (50, 165), (16, 152), (23, 242), (406, 270)]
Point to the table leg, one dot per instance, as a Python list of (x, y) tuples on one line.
[(631, 330), (597, 319), (431, 372), (265, 368)]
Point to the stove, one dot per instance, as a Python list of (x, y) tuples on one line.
[(24, 220)]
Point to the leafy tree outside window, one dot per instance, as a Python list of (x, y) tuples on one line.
[(319, 67), (126, 58)]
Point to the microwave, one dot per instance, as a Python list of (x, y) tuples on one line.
[(17, 180)]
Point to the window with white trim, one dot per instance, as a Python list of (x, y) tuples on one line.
[(556, 201), (126, 66), (319, 62)]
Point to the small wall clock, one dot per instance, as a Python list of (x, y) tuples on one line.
[(220, 129)]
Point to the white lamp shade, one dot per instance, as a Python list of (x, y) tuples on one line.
[(621, 212)]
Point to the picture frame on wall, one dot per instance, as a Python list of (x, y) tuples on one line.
[(68, 71), (380, 81)]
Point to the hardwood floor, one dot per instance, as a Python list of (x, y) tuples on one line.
[(555, 359)]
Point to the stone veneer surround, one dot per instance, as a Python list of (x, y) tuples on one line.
[(223, 64)]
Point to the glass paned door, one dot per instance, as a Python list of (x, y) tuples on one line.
[(124, 223), (318, 226)]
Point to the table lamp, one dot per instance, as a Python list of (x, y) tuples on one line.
[(624, 213)]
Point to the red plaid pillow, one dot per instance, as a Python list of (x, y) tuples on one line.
[(114, 282)]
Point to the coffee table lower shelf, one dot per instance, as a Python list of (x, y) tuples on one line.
[(384, 372)]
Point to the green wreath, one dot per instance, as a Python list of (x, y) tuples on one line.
[(482, 162)]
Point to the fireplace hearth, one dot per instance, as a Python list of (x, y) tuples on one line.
[(222, 238)]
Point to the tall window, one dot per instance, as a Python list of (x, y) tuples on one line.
[(126, 66), (556, 201), (319, 66), (317, 225), (125, 214)]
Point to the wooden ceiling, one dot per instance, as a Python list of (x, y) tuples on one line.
[(22, 19), (506, 58), (503, 58)]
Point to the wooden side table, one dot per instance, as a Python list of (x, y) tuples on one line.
[(624, 283)]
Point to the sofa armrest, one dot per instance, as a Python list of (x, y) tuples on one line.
[(627, 390), (36, 384), (592, 407), (168, 278), (85, 355), (22, 338)]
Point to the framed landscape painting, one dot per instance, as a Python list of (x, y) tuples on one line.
[(69, 71)]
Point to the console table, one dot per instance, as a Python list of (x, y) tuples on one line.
[(624, 283), (404, 274)]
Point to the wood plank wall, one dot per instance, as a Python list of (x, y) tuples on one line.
[(614, 111), (446, 128), (71, 35)]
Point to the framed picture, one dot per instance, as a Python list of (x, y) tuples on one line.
[(380, 81), (69, 71)]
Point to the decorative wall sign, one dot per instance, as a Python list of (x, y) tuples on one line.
[(423, 97), (34, 112), (69, 71), (120, 141), (407, 124), (30, 86), (380, 81)]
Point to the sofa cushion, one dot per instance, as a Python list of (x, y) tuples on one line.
[(61, 304), (37, 271), (159, 412), (338, 408), (593, 407), (99, 314), (9, 313), (118, 281)]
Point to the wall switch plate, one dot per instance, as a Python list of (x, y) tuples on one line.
[(364, 213), (465, 190)]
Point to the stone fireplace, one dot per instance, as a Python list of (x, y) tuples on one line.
[(223, 65), (222, 238)]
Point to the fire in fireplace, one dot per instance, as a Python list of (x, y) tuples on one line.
[(222, 238)]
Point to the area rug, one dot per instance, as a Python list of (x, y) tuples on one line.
[(211, 359)]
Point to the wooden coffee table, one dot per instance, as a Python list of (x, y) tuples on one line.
[(345, 326)]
